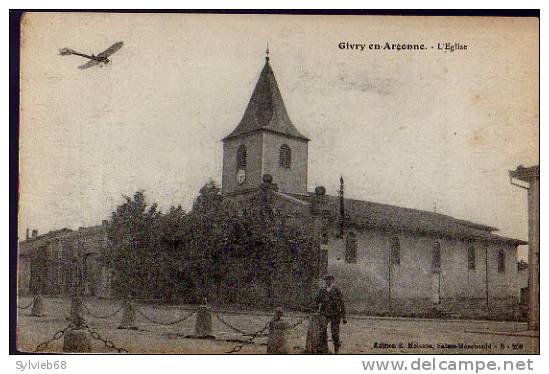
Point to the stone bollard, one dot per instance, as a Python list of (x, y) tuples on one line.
[(37, 309), (76, 341), (203, 323), (277, 343), (77, 310), (128, 317), (317, 337)]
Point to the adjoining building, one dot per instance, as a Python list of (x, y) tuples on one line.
[(522, 268), (65, 262), (385, 258), (530, 177)]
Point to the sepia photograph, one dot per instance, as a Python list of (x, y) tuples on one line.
[(268, 183)]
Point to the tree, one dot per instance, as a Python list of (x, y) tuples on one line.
[(134, 240), (246, 253), (241, 250)]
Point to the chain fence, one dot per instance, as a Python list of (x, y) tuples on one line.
[(58, 335), (26, 307), (261, 333), (165, 323), (81, 324), (232, 327), (108, 344), (107, 316), (250, 340), (244, 333)]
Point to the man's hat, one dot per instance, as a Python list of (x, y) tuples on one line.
[(329, 277)]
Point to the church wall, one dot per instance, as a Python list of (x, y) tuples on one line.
[(365, 284), (294, 179), (254, 144)]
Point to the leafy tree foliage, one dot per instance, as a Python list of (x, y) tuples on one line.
[(227, 252)]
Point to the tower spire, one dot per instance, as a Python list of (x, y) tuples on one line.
[(267, 52), (266, 110)]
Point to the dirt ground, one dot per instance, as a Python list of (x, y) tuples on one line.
[(361, 335)]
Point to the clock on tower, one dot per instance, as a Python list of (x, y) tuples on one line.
[(240, 176)]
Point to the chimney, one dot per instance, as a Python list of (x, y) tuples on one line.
[(27, 234), (268, 183), (266, 188), (104, 225), (319, 201), (34, 233)]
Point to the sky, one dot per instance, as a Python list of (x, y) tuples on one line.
[(428, 129)]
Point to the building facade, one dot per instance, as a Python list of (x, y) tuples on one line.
[(530, 176), (65, 262)]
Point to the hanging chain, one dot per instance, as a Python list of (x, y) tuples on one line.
[(26, 307), (58, 335), (232, 327), (165, 323), (108, 344), (257, 334), (87, 310)]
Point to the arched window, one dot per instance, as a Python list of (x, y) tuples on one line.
[(471, 257), (436, 258), (285, 156), (241, 157), (501, 261), (395, 251), (350, 248)]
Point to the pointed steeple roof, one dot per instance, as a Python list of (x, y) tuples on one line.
[(266, 110)]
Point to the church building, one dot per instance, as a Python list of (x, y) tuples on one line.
[(385, 259)]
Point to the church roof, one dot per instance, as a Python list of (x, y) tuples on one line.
[(266, 110), (367, 214)]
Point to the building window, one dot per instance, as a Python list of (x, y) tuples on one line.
[(241, 157), (350, 248), (501, 261), (285, 156), (471, 257), (395, 251), (436, 258)]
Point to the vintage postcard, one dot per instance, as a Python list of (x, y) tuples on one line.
[(270, 183)]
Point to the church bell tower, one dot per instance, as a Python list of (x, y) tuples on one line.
[(265, 142)]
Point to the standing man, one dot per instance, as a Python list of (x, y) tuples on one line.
[(332, 311)]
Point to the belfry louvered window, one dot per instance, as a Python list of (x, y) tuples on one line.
[(241, 157), (285, 156)]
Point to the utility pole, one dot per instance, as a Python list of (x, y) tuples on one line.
[(390, 267), (486, 276), (341, 208)]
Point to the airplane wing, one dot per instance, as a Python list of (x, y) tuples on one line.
[(89, 64), (109, 51)]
